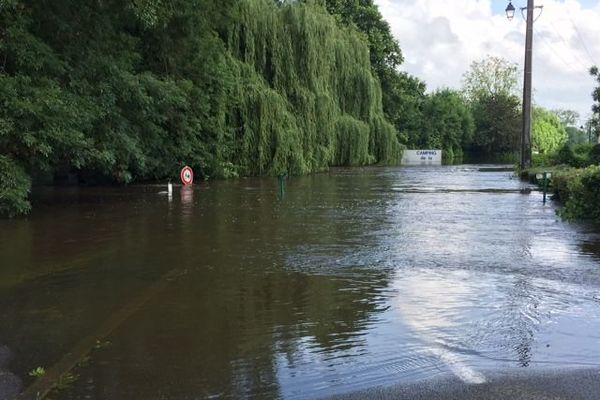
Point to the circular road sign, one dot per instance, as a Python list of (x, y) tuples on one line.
[(187, 176)]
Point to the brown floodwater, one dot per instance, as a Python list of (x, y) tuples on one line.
[(354, 278)]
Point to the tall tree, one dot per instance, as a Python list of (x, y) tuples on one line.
[(492, 76), (567, 117), (595, 72), (490, 86), (447, 123), (384, 49), (497, 125), (403, 99), (549, 134), (124, 91), (403, 95)]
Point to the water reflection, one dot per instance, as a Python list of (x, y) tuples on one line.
[(187, 201), (433, 307), (354, 280), (10, 384), (222, 325)]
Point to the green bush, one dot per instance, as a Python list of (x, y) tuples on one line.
[(564, 156), (578, 156), (594, 155), (579, 190), (14, 189), (560, 183), (543, 160), (583, 150)]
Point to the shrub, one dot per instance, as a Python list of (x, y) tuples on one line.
[(565, 155), (579, 190), (15, 185), (579, 156), (594, 155), (543, 160)]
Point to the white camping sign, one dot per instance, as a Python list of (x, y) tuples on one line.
[(422, 157)]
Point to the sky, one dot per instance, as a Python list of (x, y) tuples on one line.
[(440, 39)]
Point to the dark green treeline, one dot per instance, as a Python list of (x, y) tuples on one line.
[(122, 91)]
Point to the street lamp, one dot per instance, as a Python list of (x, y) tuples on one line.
[(510, 11), (527, 81)]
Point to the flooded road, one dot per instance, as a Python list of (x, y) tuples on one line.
[(356, 278)]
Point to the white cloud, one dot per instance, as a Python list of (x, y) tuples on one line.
[(440, 39)]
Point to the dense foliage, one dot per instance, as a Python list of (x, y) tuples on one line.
[(573, 159), (384, 50), (449, 124), (575, 179), (124, 91), (403, 95), (110, 91), (14, 188), (490, 77), (490, 86), (579, 190), (576, 156), (595, 121), (403, 99), (569, 120), (498, 124), (548, 133)]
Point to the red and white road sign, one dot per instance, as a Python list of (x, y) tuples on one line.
[(187, 176)]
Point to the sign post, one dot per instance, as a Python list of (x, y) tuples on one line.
[(187, 176), (422, 157)]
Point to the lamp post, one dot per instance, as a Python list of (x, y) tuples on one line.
[(527, 81), (588, 127), (589, 131)]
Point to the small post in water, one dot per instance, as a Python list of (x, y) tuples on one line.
[(546, 177), (545, 185), (282, 186)]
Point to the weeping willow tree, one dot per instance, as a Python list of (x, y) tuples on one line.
[(113, 91), (306, 97)]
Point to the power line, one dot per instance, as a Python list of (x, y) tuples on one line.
[(567, 45), (548, 44), (582, 42)]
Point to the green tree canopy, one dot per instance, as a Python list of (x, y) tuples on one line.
[(595, 72), (549, 133), (497, 124), (567, 117), (402, 94), (576, 135), (131, 91), (384, 50), (490, 86), (403, 100), (490, 77), (448, 123)]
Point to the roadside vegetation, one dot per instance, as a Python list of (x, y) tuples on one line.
[(575, 167), (103, 92), (575, 179)]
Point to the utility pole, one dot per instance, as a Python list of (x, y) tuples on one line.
[(527, 87), (527, 81)]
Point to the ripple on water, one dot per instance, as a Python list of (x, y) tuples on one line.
[(358, 278), (10, 384)]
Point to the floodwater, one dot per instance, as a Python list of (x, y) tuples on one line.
[(355, 278)]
